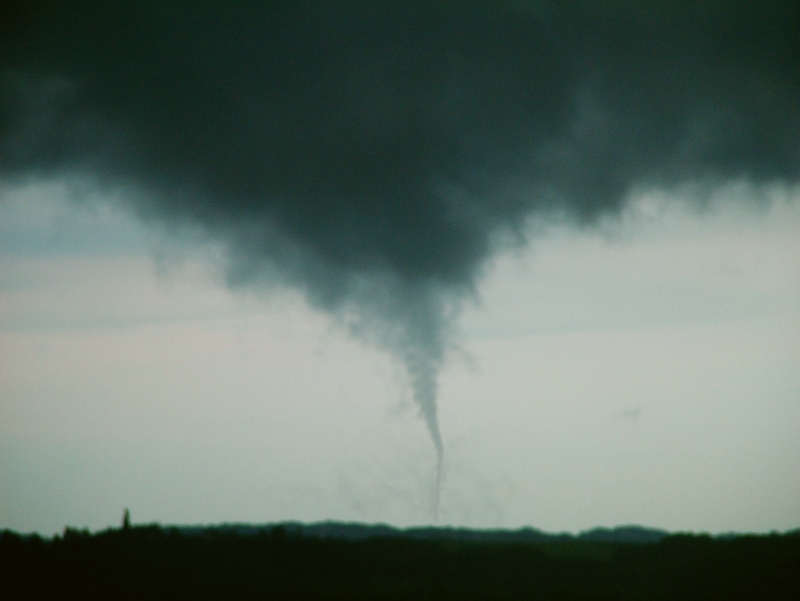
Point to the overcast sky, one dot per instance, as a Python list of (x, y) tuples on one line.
[(331, 262)]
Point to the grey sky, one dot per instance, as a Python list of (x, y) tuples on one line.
[(133, 382), (378, 159)]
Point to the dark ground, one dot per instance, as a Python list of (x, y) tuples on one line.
[(284, 563)]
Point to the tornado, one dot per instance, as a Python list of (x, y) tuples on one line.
[(376, 156)]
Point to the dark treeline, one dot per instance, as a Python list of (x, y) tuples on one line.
[(276, 563)]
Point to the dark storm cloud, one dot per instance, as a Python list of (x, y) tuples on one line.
[(373, 153)]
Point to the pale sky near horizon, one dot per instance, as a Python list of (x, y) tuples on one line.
[(640, 372)]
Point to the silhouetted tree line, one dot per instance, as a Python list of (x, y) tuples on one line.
[(166, 563)]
